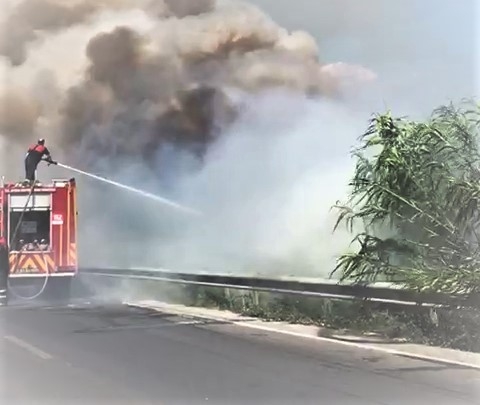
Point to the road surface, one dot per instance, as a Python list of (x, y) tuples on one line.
[(114, 354)]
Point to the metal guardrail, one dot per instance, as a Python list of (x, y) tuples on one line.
[(323, 289)]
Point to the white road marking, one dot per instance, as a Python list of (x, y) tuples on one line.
[(363, 346), (147, 326), (27, 346)]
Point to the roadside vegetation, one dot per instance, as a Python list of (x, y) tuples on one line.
[(452, 328), (414, 206), (414, 215)]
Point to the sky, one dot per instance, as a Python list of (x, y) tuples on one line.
[(432, 43)]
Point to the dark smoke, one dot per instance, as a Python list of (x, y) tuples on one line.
[(149, 91), (184, 8), (169, 85), (141, 92)]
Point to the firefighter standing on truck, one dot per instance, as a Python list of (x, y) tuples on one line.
[(33, 157)]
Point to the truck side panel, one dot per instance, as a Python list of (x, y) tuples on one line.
[(58, 223), (64, 228), (72, 227)]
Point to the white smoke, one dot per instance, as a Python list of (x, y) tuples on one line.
[(267, 188)]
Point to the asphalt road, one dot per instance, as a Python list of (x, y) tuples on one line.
[(113, 354)]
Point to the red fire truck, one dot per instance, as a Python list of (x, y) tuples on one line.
[(39, 225)]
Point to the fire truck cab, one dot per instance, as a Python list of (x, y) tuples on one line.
[(39, 225)]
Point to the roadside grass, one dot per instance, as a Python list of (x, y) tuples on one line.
[(451, 328)]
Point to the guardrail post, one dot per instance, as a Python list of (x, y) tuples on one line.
[(433, 316), (256, 300)]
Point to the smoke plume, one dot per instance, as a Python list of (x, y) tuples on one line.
[(209, 102)]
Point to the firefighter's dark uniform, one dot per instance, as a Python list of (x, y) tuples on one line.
[(4, 269), (34, 156)]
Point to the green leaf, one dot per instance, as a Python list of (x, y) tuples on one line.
[(423, 187)]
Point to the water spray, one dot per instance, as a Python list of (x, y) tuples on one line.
[(157, 198)]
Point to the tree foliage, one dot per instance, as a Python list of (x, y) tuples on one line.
[(415, 193)]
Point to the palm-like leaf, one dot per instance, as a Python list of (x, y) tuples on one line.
[(423, 186)]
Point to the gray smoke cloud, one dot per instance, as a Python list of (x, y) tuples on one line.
[(30, 20), (212, 103), (162, 74)]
